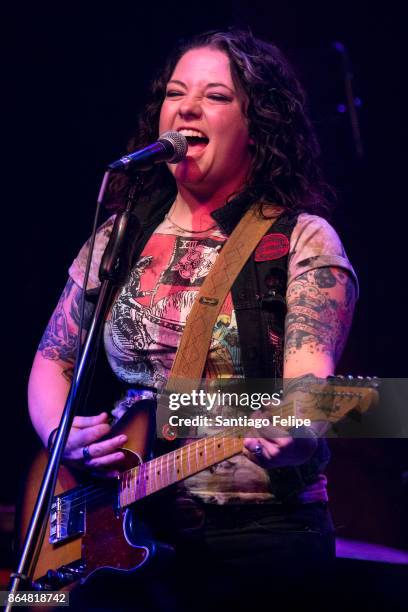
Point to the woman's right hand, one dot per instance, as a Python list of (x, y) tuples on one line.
[(103, 456)]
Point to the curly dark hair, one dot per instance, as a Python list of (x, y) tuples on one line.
[(285, 168)]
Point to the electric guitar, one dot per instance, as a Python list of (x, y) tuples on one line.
[(90, 528)]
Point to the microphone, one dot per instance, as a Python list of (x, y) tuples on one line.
[(170, 147)]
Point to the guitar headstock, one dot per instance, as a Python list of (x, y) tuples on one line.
[(339, 395)]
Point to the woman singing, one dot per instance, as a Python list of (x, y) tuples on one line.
[(255, 526)]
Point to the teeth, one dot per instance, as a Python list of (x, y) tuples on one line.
[(192, 133)]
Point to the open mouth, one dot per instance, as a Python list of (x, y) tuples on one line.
[(196, 139)]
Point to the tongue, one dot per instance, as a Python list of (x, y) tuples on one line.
[(197, 143)]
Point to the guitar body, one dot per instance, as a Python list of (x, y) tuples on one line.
[(99, 537)]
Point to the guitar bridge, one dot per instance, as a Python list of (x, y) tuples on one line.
[(67, 516)]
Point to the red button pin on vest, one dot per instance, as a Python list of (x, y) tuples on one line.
[(272, 246)]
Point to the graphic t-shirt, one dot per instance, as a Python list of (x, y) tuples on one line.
[(148, 315)]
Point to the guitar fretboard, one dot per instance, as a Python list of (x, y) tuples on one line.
[(327, 403), (173, 467)]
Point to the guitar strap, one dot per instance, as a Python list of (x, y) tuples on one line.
[(195, 342)]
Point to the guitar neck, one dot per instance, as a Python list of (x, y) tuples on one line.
[(159, 473), (328, 403), (175, 466)]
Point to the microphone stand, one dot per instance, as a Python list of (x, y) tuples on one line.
[(114, 267)]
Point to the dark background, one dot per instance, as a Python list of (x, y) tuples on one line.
[(73, 82)]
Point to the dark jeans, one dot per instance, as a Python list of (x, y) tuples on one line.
[(232, 556)]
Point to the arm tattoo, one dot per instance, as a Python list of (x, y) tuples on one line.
[(320, 309), (59, 340)]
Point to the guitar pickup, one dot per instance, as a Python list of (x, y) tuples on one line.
[(67, 516)]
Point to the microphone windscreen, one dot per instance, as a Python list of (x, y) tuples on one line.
[(178, 143)]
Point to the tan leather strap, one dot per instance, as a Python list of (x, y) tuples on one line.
[(195, 341)]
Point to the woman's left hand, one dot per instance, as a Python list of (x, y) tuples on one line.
[(276, 448)]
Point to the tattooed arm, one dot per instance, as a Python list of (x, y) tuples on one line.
[(50, 382), (320, 309), (53, 365), (59, 340)]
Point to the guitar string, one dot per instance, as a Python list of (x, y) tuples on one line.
[(140, 488), (95, 492), (224, 433), (231, 432), (169, 455), (79, 497)]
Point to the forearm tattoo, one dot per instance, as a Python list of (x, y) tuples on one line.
[(59, 340), (320, 310)]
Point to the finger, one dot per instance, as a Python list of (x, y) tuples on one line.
[(99, 449), (251, 443), (106, 461), (253, 456), (92, 434), (279, 443), (260, 450), (268, 451), (89, 421), (273, 433), (79, 438), (112, 474)]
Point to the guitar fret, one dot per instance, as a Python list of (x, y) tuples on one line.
[(153, 483), (147, 477), (158, 474), (155, 475), (144, 487), (140, 482)]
